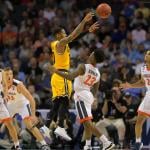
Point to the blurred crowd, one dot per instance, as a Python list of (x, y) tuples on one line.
[(26, 28)]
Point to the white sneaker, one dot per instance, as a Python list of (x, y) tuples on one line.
[(62, 133), (46, 134), (108, 145), (87, 147)]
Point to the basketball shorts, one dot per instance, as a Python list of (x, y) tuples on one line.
[(23, 110), (144, 107), (83, 104), (4, 114), (60, 86)]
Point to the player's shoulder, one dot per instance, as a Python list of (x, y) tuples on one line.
[(53, 44)]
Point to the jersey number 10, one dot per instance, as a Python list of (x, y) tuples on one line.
[(89, 80)]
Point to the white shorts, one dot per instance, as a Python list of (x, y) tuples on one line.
[(24, 111), (4, 114), (144, 107), (83, 104)]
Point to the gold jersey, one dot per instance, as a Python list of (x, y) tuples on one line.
[(61, 61)]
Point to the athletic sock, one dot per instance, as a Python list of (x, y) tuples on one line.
[(16, 144), (103, 138), (43, 142), (88, 142), (138, 140)]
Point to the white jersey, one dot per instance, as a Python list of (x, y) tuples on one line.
[(86, 81), (145, 73), (14, 97)]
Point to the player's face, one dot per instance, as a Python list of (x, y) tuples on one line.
[(62, 34), (9, 77), (147, 57)]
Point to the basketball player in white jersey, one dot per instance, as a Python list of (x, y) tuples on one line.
[(86, 78), (4, 114), (20, 101), (144, 108)]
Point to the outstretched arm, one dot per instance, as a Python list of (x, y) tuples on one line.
[(138, 84), (69, 76), (91, 29), (62, 43)]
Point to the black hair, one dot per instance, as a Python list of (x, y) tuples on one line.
[(57, 30), (99, 55)]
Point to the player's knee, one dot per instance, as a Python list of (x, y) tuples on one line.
[(31, 127), (87, 125), (28, 124), (8, 123), (140, 119)]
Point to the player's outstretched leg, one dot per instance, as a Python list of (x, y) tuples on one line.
[(13, 133), (138, 131), (107, 145), (35, 131)]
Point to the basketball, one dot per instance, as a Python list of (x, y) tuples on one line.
[(103, 10)]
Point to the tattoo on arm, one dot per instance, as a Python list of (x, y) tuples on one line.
[(74, 34), (78, 30)]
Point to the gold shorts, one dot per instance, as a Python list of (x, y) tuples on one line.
[(60, 86)]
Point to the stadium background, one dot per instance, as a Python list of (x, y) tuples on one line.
[(26, 28)]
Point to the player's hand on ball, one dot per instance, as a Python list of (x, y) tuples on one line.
[(125, 85), (88, 17), (94, 27)]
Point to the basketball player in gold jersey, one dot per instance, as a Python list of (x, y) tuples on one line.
[(62, 88)]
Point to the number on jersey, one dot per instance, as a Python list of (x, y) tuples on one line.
[(89, 80), (10, 98)]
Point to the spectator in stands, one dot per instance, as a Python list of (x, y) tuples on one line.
[(120, 34), (31, 89), (130, 117), (33, 71), (143, 9), (114, 109), (139, 34), (20, 75), (138, 19), (147, 41)]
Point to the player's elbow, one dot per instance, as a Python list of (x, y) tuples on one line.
[(70, 78)]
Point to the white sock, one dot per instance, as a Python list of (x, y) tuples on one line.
[(43, 142), (16, 144), (103, 138), (138, 140), (88, 142)]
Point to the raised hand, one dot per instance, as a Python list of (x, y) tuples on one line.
[(94, 27), (89, 16)]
